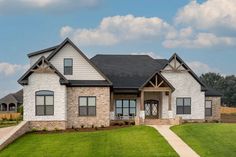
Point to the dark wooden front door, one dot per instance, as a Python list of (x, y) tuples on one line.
[(151, 108)]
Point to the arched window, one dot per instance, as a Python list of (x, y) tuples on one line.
[(3, 107), (12, 107), (44, 103)]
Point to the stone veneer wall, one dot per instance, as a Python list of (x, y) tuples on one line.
[(48, 125), (216, 103), (102, 107)]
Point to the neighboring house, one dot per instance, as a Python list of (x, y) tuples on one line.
[(11, 102), (65, 89)]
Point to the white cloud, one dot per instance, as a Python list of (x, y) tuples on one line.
[(209, 14), (151, 54), (116, 29), (201, 68), (8, 69), (12, 6), (187, 39)]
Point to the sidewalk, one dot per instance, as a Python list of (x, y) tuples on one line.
[(177, 144), (5, 131)]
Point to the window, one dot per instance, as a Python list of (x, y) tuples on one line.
[(125, 107), (87, 106), (183, 105), (44, 103), (208, 108), (68, 66)]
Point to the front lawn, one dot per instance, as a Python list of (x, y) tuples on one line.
[(132, 141), (6, 123), (209, 140)]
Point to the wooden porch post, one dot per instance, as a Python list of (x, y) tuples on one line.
[(142, 101), (112, 102), (169, 100)]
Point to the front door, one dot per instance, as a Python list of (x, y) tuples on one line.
[(151, 108)]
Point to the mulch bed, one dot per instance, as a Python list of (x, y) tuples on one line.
[(81, 130)]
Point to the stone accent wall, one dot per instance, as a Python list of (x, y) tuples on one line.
[(18, 131), (48, 125), (102, 107), (216, 103)]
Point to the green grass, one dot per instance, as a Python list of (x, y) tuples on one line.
[(4, 124), (132, 141), (209, 140)]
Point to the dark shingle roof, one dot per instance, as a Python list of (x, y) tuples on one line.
[(13, 98), (42, 51), (212, 93), (19, 96), (128, 71)]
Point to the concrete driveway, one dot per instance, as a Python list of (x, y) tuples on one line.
[(5, 131)]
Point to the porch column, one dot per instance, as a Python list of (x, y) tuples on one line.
[(141, 112), (170, 112), (169, 100), (142, 101), (112, 108)]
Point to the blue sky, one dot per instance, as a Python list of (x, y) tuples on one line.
[(202, 32)]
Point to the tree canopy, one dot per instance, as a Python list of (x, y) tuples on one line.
[(224, 84)]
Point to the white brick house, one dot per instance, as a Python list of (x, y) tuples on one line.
[(64, 89)]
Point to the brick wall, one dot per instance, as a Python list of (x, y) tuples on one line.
[(216, 104), (102, 95)]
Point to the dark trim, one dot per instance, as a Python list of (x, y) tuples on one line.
[(208, 108), (122, 106), (88, 83), (188, 68), (68, 66), (67, 40), (44, 103), (213, 95), (125, 91), (87, 97), (42, 51), (184, 105), (159, 74), (24, 79)]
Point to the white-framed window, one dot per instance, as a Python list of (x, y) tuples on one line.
[(87, 106), (44, 103), (183, 105), (208, 108)]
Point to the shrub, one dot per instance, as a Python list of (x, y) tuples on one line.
[(33, 129), (45, 129), (20, 110)]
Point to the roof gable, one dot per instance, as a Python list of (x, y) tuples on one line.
[(176, 64), (160, 80), (89, 64), (42, 65)]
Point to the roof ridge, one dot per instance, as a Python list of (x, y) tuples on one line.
[(42, 51)]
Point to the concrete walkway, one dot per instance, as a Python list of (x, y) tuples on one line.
[(177, 143), (5, 131)]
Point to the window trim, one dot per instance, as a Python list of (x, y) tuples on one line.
[(68, 66), (208, 108), (184, 105), (135, 114), (44, 103), (87, 97)]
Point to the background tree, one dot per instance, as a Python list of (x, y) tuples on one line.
[(226, 85)]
